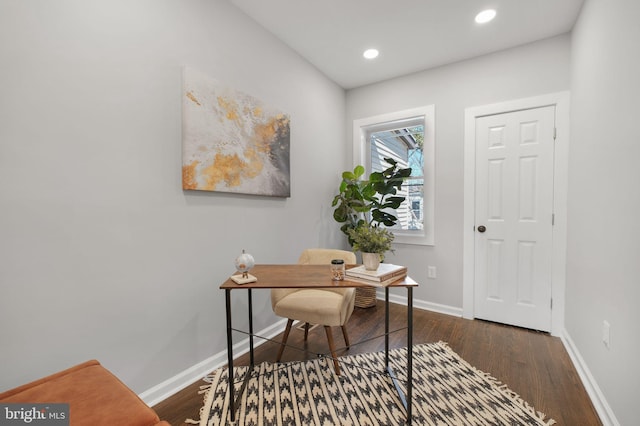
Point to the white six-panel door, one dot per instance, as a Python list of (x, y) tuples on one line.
[(513, 223)]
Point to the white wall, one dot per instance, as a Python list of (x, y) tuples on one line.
[(603, 250), (530, 70), (103, 255)]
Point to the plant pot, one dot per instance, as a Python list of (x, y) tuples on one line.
[(371, 261)]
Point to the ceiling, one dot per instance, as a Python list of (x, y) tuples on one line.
[(411, 35)]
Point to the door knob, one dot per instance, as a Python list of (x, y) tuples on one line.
[(481, 228)]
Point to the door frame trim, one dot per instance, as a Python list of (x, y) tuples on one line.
[(561, 101)]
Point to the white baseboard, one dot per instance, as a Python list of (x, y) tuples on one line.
[(422, 304), (607, 417), (192, 374)]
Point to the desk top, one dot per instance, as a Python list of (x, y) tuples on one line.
[(301, 276)]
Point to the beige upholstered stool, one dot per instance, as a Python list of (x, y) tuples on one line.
[(330, 307)]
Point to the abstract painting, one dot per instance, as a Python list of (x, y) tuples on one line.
[(231, 141)]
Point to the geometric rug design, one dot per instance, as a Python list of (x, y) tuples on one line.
[(446, 391)]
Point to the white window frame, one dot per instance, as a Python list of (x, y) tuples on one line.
[(363, 127)]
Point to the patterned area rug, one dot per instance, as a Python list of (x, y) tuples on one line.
[(446, 391)]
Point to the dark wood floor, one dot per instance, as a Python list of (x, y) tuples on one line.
[(535, 365)]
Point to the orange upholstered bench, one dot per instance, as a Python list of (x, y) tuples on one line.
[(95, 397)]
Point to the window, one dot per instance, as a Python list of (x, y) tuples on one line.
[(408, 138), (404, 145)]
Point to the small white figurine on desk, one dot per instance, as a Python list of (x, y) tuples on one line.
[(244, 263)]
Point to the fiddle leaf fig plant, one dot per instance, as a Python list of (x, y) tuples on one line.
[(367, 202)]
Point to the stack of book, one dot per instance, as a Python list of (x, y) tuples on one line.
[(386, 274)]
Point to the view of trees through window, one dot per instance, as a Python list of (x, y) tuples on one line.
[(406, 146)]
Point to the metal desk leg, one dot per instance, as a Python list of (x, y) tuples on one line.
[(386, 328), (405, 399), (232, 412), (409, 352), (250, 329)]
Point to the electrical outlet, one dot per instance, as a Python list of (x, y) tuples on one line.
[(606, 334), (431, 272)]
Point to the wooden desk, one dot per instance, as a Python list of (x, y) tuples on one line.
[(311, 276)]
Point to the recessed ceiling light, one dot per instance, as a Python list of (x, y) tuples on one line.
[(485, 16), (370, 53)]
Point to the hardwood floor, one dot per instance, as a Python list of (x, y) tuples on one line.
[(535, 365)]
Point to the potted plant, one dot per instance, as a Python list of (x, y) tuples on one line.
[(362, 205), (373, 242)]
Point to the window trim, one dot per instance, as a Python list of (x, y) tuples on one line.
[(364, 126)]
